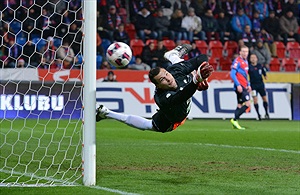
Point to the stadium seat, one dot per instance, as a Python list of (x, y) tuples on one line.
[(15, 26), (225, 63), (137, 46), (230, 48), (202, 46), (280, 47), (57, 42), (215, 49), (293, 50), (169, 44), (130, 29), (289, 65), (214, 63), (275, 64), (105, 44), (185, 42)]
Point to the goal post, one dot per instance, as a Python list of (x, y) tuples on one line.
[(89, 93), (47, 121)]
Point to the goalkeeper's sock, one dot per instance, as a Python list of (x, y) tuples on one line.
[(132, 120)]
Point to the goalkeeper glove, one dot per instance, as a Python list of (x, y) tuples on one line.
[(203, 72), (203, 85)]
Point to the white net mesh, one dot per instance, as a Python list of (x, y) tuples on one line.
[(40, 119)]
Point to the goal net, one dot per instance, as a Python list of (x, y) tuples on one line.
[(40, 112)]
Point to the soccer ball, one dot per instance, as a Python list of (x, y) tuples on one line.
[(118, 54)]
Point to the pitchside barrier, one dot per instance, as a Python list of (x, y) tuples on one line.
[(219, 101)]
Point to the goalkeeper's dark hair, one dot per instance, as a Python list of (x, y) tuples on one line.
[(152, 73)]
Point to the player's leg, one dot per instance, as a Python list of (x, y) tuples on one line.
[(263, 94), (255, 102), (175, 55), (131, 120), (243, 104)]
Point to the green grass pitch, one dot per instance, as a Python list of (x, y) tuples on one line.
[(203, 156)]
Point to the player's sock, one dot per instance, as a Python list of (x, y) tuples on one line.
[(239, 111), (175, 59), (256, 108), (265, 104), (132, 120)]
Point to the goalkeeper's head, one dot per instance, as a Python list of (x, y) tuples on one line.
[(162, 79)]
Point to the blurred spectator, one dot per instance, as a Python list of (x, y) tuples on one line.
[(66, 54), (262, 54), (224, 27), (276, 6), (14, 52), (134, 8), (262, 8), (238, 22), (21, 63), (139, 64), (291, 5), (256, 24), (289, 27), (4, 62), (183, 5), (199, 6), (49, 51), (148, 55), (75, 38), (111, 22), (67, 19), (213, 6), (145, 25), (194, 52), (121, 35), (31, 57), (248, 37), (229, 6), (111, 77), (162, 24), (175, 25), (193, 25), (100, 50), (105, 65), (271, 25), (268, 42), (247, 5), (152, 5), (210, 26), (46, 23), (159, 54)]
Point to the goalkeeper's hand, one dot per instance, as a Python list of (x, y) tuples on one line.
[(203, 72), (203, 85)]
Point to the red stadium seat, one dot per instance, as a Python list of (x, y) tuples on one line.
[(137, 46), (130, 29), (230, 48), (293, 49), (185, 42), (289, 64), (280, 47), (225, 63), (169, 44), (275, 64), (215, 49), (202, 46), (214, 63)]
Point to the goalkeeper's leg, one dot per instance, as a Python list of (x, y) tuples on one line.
[(131, 120)]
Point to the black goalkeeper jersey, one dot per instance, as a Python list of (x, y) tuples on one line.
[(175, 104)]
